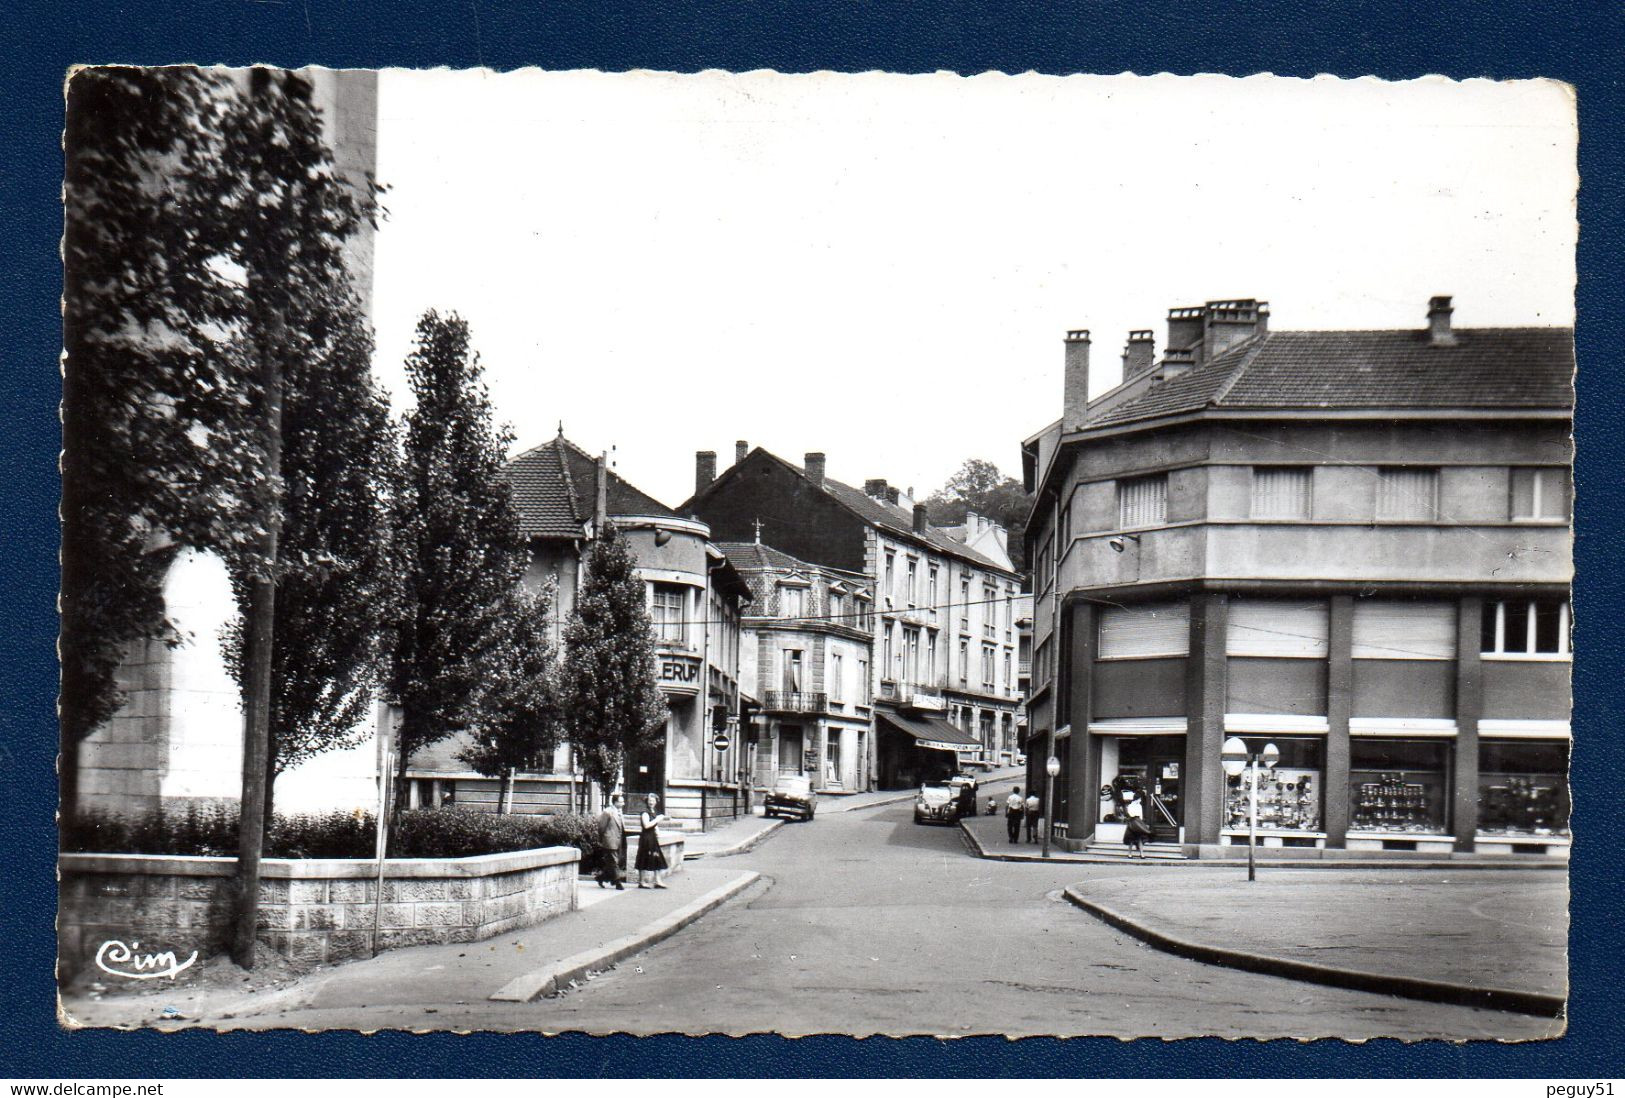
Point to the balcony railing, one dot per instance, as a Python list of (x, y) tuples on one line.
[(796, 701)]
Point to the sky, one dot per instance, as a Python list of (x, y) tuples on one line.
[(883, 267)]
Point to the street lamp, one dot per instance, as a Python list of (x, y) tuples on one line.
[(1235, 759), (1052, 767)]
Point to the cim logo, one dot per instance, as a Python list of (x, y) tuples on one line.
[(139, 966)]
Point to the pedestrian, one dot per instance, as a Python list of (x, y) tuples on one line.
[(967, 799), (1034, 807), (993, 806), (651, 860), (1014, 806), (1136, 829), (611, 844)]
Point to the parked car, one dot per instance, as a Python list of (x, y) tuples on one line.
[(936, 802), (791, 796)]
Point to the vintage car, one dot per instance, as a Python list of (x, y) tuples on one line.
[(791, 796), (936, 803)]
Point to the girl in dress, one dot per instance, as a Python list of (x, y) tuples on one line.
[(650, 858)]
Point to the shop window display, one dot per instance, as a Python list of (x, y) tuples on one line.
[(1523, 788), (1398, 786), (1289, 793)]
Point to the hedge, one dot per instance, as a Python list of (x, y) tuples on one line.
[(421, 833)]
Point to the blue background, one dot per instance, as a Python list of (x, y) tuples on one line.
[(1576, 42)]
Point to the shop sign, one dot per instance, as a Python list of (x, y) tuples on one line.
[(678, 673)]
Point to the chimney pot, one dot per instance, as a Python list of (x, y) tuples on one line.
[(741, 448), (920, 521), (813, 464), (875, 488), (705, 469), (1139, 353), (1075, 384), (1439, 310)]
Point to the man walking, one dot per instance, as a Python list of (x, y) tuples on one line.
[(1013, 808), (611, 844), (1034, 807)]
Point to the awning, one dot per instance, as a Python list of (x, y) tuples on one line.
[(932, 733)]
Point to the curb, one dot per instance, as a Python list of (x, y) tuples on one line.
[(899, 799), (547, 981), (737, 848), (1237, 863), (1408, 987)]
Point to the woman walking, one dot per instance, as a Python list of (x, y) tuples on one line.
[(650, 858), (1137, 829)]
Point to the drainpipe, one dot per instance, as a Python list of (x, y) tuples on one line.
[(705, 673), (1055, 689)]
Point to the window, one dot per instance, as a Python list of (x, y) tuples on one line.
[(667, 612), (837, 677), (792, 670), (964, 602), (913, 574), (1142, 501), (931, 589), (863, 681), (1278, 628), (1523, 788), (1008, 681), (911, 655), (987, 666), (891, 577), (1529, 629), (930, 657), (1009, 611), (1404, 493), (990, 610), (1540, 495), (792, 602), (1395, 629), (1138, 632), (1281, 493), (964, 661), (837, 608), (887, 668)]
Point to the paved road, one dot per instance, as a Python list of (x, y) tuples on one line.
[(868, 924)]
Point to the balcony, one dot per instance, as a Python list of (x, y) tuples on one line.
[(795, 701)]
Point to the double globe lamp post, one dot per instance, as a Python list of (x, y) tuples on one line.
[(1236, 759)]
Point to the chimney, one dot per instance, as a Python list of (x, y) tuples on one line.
[(741, 448), (1139, 353), (1227, 323), (1439, 333), (920, 522), (892, 494), (875, 488), (1185, 332), (600, 508), (1075, 389), (705, 469), (814, 466)]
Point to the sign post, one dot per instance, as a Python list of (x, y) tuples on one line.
[(1052, 767), (1235, 759)]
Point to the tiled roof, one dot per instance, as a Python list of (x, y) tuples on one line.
[(754, 556), (1486, 368), (893, 519), (554, 486)]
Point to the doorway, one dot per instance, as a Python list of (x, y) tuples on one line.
[(1153, 766)]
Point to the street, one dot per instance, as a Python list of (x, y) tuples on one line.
[(872, 925)]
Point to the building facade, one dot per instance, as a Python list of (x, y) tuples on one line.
[(1354, 545), (807, 660), (943, 672), (563, 495)]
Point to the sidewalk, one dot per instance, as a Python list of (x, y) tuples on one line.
[(734, 837), (857, 801), (441, 986), (1478, 937)]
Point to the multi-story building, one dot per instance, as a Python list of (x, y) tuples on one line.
[(944, 635), (563, 496), (807, 649), (1355, 545)]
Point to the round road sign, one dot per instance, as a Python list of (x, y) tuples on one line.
[(1271, 755), (1233, 757), (1053, 766), (721, 741)]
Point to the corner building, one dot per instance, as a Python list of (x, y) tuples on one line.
[(1356, 545)]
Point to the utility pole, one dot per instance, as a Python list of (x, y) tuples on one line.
[(260, 626)]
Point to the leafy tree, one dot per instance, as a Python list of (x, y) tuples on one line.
[(607, 693), (520, 726), (150, 393), (979, 486), (459, 546)]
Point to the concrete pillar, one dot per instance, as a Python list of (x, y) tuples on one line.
[(1075, 666), (1339, 708), (1469, 708), (1206, 688)]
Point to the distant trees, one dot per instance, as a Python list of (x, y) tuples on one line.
[(979, 486), (610, 703), (461, 555)]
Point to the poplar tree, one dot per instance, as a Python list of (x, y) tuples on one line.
[(607, 694), (519, 729), (459, 549)]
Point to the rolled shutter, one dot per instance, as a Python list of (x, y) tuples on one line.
[(1396, 629), (1138, 632), (1278, 628)]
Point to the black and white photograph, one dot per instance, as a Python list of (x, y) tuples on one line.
[(832, 553)]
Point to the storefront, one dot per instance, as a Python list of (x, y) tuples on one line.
[(917, 748), (1141, 760), (1399, 789), (1291, 795), (1523, 791)]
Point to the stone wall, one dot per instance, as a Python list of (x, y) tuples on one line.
[(310, 910)]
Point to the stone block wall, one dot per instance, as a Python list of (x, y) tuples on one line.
[(317, 910)]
